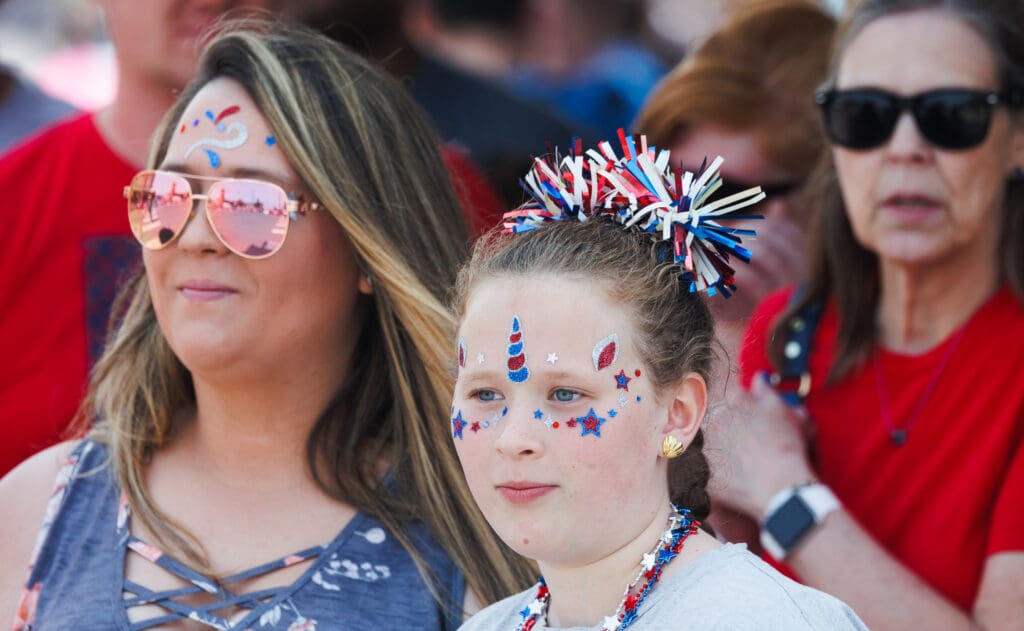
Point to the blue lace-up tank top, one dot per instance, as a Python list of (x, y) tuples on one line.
[(362, 579)]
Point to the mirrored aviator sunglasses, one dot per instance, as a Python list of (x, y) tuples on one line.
[(952, 118), (250, 217)]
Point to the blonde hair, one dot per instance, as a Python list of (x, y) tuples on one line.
[(365, 152)]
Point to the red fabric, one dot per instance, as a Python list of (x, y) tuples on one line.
[(60, 190), (954, 493), (482, 205)]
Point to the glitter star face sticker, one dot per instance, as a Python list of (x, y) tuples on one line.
[(590, 424), (605, 352), (622, 381), (518, 372), (458, 424), (552, 358)]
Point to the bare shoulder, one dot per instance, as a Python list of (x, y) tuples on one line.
[(24, 493)]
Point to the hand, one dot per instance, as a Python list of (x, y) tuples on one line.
[(756, 446)]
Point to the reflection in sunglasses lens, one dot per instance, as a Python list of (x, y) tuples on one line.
[(250, 217), (158, 207)]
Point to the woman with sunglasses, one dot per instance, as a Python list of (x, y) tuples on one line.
[(272, 449), (905, 497)]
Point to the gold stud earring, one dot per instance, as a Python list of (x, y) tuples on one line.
[(672, 448)]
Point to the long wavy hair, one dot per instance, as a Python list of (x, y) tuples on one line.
[(673, 326), (840, 267), (364, 150)]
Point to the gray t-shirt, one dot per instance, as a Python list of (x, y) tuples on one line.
[(728, 589)]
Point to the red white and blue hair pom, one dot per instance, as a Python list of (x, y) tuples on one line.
[(641, 189)]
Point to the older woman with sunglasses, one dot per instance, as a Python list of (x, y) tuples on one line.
[(894, 479), (272, 449)]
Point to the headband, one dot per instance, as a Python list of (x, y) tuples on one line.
[(641, 189)]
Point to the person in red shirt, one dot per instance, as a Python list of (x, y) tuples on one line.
[(897, 486), (68, 239)]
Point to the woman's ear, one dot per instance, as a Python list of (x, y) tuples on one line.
[(686, 408)]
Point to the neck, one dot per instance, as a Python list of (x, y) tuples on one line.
[(920, 306), (128, 123), (583, 595), (244, 433)]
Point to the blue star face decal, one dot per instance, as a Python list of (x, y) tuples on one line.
[(622, 381), (590, 424), (458, 424), (537, 414), (612, 413)]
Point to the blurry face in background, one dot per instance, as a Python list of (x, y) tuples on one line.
[(907, 200), (778, 250), (158, 40)]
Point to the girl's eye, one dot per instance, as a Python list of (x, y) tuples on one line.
[(564, 395), (485, 395)]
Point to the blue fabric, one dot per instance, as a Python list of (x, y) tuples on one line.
[(363, 579)]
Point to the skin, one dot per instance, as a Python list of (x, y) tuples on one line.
[(606, 499), (156, 46), (266, 351), (937, 266)]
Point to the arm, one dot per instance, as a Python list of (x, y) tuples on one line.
[(25, 491), (763, 451)]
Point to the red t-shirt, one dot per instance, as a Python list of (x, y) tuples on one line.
[(65, 229), (953, 494)]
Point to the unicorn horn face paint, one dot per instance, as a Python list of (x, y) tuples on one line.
[(543, 433)]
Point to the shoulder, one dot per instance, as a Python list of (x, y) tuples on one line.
[(735, 589), (28, 487), (503, 614)]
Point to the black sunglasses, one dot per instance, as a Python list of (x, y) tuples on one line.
[(731, 186), (950, 118)]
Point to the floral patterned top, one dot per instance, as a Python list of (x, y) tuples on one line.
[(362, 579)]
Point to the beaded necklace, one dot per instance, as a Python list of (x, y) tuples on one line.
[(680, 526)]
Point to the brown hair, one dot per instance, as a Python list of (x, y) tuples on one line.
[(757, 73), (840, 267), (367, 154), (674, 329)]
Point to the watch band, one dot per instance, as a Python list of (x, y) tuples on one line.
[(792, 514)]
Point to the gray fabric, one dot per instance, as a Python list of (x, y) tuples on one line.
[(26, 110), (727, 589)]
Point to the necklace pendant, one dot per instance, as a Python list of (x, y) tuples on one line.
[(898, 437)]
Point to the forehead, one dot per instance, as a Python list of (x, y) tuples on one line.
[(918, 50), (744, 158), (557, 315), (221, 130)]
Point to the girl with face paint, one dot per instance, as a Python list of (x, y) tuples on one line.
[(583, 360)]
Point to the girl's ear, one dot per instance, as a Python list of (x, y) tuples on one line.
[(686, 408), (365, 284)]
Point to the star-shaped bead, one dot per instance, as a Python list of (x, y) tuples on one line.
[(622, 381), (457, 425), (648, 561), (610, 623), (665, 555), (552, 358), (591, 423), (480, 358), (536, 607)]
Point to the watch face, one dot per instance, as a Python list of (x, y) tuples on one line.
[(791, 521)]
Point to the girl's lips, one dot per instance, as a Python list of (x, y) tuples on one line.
[(524, 492)]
